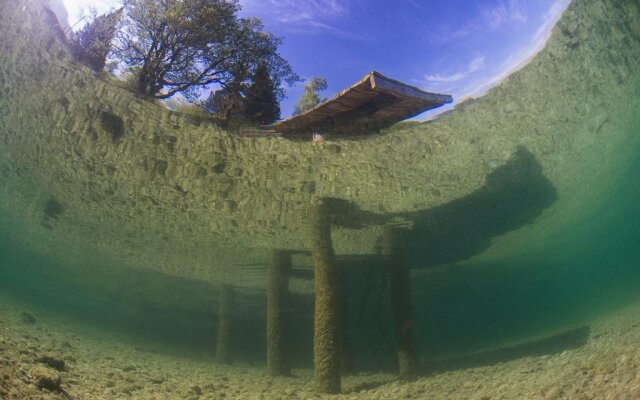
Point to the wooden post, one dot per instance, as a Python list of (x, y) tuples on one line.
[(225, 318), (326, 323), (401, 303), (346, 364), (277, 314)]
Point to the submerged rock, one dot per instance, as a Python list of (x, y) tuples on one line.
[(197, 390), (28, 318), (52, 361), (46, 378), (52, 208)]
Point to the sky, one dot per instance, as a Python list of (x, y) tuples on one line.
[(457, 47)]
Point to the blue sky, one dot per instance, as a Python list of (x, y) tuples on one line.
[(458, 47)]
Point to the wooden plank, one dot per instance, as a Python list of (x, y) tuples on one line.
[(392, 86), (354, 102), (374, 101)]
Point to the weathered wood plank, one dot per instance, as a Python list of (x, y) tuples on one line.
[(371, 103), (381, 83)]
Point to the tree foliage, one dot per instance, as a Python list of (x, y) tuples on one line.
[(310, 97), (226, 103), (255, 101), (180, 46), (91, 45), (261, 102)]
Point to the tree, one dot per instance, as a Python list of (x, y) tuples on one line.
[(91, 45), (180, 46), (261, 103), (226, 103), (310, 98), (256, 101)]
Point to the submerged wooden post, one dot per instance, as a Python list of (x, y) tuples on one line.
[(346, 364), (225, 317), (277, 314), (326, 323), (401, 303)]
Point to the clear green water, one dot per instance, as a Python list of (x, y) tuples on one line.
[(500, 255), (592, 268)]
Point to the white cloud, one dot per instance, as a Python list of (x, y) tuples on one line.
[(507, 14), (504, 15), (298, 15), (475, 65), (297, 10), (415, 4), (79, 10), (517, 60), (301, 15), (58, 8)]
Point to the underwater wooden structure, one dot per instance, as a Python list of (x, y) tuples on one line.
[(374, 102), (278, 314), (326, 319), (401, 301), (226, 296)]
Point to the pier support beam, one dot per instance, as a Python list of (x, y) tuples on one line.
[(278, 313), (346, 363), (225, 324), (401, 302), (326, 323)]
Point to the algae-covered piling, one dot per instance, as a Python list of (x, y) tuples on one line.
[(225, 317), (346, 361), (401, 302), (277, 314), (326, 339)]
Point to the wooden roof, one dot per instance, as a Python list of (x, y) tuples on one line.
[(374, 102)]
